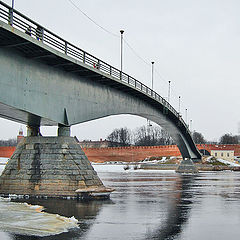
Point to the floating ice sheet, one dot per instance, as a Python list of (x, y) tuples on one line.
[(22, 218)]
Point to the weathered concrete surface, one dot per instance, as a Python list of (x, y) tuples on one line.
[(48, 166)]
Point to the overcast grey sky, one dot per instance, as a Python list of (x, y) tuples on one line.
[(195, 44)]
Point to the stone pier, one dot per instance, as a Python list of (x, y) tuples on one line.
[(187, 166), (48, 166)]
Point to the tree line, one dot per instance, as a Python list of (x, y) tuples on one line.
[(9, 142), (148, 136), (142, 136), (155, 135), (227, 138)]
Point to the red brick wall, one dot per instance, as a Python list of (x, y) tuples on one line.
[(7, 151), (134, 153), (129, 154)]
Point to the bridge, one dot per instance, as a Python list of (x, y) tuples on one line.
[(45, 80)]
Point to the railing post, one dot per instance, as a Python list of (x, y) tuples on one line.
[(98, 65), (66, 47), (42, 34), (128, 79), (84, 57), (110, 71), (39, 33), (10, 17)]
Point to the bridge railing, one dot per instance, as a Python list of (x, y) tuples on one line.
[(35, 30)]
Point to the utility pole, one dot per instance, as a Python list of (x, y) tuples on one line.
[(12, 4)]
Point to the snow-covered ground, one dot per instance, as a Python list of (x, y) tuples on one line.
[(108, 167), (228, 162), (3, 162), (103, 168)]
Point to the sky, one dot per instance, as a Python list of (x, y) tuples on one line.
[(194, 44)]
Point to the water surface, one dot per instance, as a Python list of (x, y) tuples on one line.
[(152, 205)]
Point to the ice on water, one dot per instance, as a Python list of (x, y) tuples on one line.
[(22, 218)]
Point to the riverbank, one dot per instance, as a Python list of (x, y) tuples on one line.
[(200, 167)]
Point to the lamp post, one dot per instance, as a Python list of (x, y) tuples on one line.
[(121, 56), (169, 86), (190, 125), (179, 102), (10, 20), (152, 74), (186, 115)]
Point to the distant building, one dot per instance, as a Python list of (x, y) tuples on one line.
[(20, 135), (223, 154)]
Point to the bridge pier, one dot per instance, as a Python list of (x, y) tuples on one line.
[(33, 131), (49, 166), (187, 166), (63, 131)]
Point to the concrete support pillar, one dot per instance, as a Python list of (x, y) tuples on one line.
[(49, 166), (187, 166), (63, 131), (33, 131)]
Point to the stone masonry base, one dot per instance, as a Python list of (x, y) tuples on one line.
[(187, 166), (48, 166)]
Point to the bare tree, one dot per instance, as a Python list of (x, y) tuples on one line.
[(228, 139), (151, 136), (198, 138), (120, 135)]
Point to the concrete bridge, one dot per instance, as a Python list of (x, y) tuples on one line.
[(45, 80)]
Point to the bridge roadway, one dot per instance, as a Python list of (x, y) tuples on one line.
[(45, 80)]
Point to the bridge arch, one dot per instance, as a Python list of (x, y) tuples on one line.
[(49, 87)]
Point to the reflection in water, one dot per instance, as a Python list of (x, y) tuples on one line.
[(179, 211)]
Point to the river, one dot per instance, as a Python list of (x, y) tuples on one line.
[(146, 205)]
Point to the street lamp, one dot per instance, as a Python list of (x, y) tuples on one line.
[(190, 125), (169, 83), (10, 21), (152, 74), (121, 60), (186, 115), (179, 102)]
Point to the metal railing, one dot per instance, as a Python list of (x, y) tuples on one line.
[(35, 30)]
